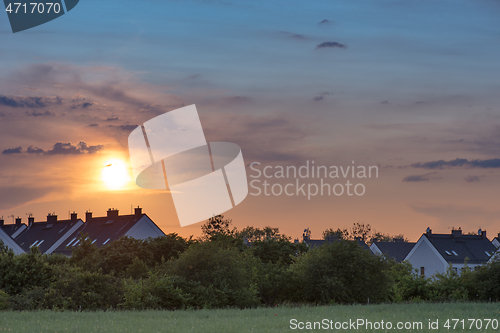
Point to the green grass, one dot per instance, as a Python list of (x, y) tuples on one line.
[(251, 320)]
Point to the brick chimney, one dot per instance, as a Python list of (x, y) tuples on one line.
[(88, 216), (138, 211), (31, 220), (457, 233), (483, 233), (2, 222), (112, 213), (74, 216), (51, 218), (18, 221)]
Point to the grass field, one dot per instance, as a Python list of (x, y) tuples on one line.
[(252, 320)]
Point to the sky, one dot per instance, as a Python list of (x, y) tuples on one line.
[(409, 87)]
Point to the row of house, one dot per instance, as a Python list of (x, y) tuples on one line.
[(432, 253), (60, 236)]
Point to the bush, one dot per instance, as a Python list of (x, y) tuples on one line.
[(225, 276), (341, 272), (155, 292), (4, 300)]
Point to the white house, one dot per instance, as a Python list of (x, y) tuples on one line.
[(104, 230), (434, 252), (496, 241)]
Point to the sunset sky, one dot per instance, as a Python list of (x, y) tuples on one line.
[(408, 86)]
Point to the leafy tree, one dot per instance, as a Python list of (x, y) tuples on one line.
[(487, 281), (216, 226), (336, 234), (380, 237), (341, 272), (360, 231), (408, 285), (224, 274), (252, 234)]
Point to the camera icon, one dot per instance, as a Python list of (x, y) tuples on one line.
[(204, 178)]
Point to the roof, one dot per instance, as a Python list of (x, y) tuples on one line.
[(102, 230), (396, 250), (454, 248), (12, 229), (10, 243), (46, 234)]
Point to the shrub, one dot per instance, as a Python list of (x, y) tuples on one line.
[(341, 272)]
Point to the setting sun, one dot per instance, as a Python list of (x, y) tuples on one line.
[(114, 174)]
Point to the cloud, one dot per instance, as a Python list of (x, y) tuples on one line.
[(127, 127), (416, 178), (471, 179), (39, 114), (331, 45), (59, 148), (385, 102), (294, 35), (458, 163), (321, 96), (17, 150), (325, 21), (93, 125), (18, 195), (28, 102), (112, 119)]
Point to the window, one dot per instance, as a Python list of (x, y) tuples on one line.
[(454, 253), (71, 241), (94, 241), (455, 270), (422, 270), (40, 243), (448, 253), (487, 253), (107, 240), (34, 243)]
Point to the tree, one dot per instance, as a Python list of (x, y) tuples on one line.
[(252, 234), (360, 231), (341, 272), (380, 237), (216, 226), (336, 234)]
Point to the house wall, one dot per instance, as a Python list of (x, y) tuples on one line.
[(495, 242), (425, 256), (144, 228)]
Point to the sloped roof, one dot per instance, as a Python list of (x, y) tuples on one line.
[(454, 248), (45, 234), (10, 229), (396, 250), (10, 243), (101, 230)]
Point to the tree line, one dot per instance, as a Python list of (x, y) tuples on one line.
[(225, 267)]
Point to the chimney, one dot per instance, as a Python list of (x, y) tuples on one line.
[(112, 213), (51, 218), (18, 221), (2, 222), (31, 220), (74, 217), (483, 233), (457, 233), (428, 231), (88, 216), (138, 211)]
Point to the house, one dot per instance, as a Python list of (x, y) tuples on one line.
[(47, 235), (496, 241), (434, 252), (106, 229), (6, 232), (397, 250)]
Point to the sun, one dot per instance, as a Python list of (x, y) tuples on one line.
[(114, 174)]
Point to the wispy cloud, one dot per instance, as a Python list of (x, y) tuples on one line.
[(459, 163), (59, 148), (28, 102), (331, 45), (418, 178)]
